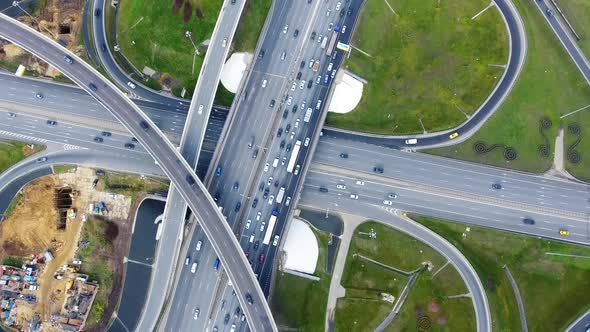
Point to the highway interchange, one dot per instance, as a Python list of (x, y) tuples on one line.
[(554, 204)]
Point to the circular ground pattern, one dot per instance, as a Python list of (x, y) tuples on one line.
[(509, 152), (544, 149), (423, 323), (574, 156)]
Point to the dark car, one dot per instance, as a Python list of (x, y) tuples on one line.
[(324, 190), (302, 64), (51, 122), (255, 154), (238, 206), (97, 12), (349, 12), (218, 171), (130, 146), (190, 179), (237, 312), (378, 169), (92, 87), (288, 127), (265, 194), (144, 125), (285, 114), (226, 319), (272, 103), (528, 221), (261, 54), (277, 183), (344, 155), (280, 132), (496, 186), (261, 258), (261, 186), (99, 173), (294, 109), (133, 139), (249, 298), (217, 196), (255, 202), (236, 186), (299, 75), (288, 147), (342, 12), (256, 244), (312, 37), (103, 47), (282, 145), (309, 84), (296, 33), (98, 139), (106, 134)]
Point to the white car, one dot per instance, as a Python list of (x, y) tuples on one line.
[(306, 143), (354, 196), (318, 80), (194, 267), (311, 62), (330, 26), (297, 123), (262, 226), (275, 241), (131, 85), (224, 42), (290, 100), (200, 109), (340, 186), (264, 83), (266, 166), (187, 260), (258, 215), (392, 195), (360, 182), (297, 168), (288, 201), (248, 224), (320, 38), (197, 313), (330, 65), (303, 105), (271, 199), (411, 141), (302, 84), (333, 73), (199, 244), (338, 5), (387, 202), (286, 28), (343, 30), (328, 13), (294, 86), (292, 135), (283, 161)]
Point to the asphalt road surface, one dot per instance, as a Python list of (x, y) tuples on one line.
[(184, 179)]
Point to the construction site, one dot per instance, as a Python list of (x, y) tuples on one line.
[(43, 284)]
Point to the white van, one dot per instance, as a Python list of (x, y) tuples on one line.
[(275, 163), (411, 141), (251, 238)]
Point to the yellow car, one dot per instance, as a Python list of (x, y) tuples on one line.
[(453, 135), (564, 232)]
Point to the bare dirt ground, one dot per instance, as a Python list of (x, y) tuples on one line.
[(32, 228)]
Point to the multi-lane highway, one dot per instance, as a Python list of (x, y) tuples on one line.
[(163, 152)]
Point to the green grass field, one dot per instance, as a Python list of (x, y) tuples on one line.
[(549, 285), (11, 152), (130, 184), (577, 13), (432, 62), (250, 25), (536, 94), (362, 309), (151, 34), (301, 303)]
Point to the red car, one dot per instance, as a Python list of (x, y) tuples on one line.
[(261, 258), (247, 253)]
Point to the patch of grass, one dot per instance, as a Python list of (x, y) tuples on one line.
[(363, 309), (301, 303), (536, 94), (100, 234), (59, 169), (166, 49), (223, 97), (62, 79), (9, 66), (153, 84), (13, 204), (11, 152), (429, 63), (577, 13), (13, 261), (130, 184), (250, 25), (549, 285)]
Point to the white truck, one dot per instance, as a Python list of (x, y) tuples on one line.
[(280, 195)]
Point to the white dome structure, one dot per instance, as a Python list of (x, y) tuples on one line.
[(301, 248), (233, 70), (347, 94)]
